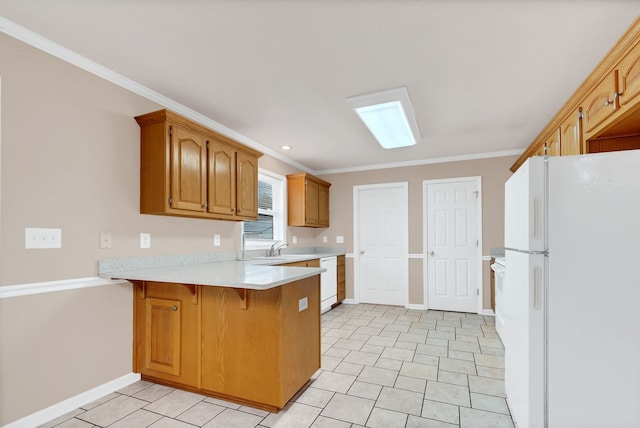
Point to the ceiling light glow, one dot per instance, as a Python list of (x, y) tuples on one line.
[(389, 117), (286, 147)]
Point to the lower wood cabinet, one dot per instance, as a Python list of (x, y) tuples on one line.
[(342, 283), (255, 347)]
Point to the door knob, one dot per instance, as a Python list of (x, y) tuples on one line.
[(431, 253), (361, 252)]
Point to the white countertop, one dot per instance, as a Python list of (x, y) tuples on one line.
[(256, 274)]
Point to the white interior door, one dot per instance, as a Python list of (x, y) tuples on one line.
[(452, 244), (381, 243)]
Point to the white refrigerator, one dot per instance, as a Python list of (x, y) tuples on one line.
[(571, 291)]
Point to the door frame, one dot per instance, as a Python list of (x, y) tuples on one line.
[(425, 219), (404, 186)]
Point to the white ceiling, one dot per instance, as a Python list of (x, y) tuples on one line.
[(483, 76)]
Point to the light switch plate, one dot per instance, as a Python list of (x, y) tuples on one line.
[(145, 240), (294, 239), (216, 240), (325, 239), (339, 239), (42, 238), (303, 304)]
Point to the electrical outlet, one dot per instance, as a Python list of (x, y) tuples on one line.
[(339, 239), (145, 240), (325, 239), (42, 238), (303, 304), (294, 239), (105, 240), (216, 240)]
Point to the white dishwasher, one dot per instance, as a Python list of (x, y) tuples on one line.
[(328, 283)]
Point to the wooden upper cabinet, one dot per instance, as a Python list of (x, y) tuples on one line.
[(600, 103), (191, 171), (188, 169), (541, 149), (553, 144), (571, 135), (308, 200), (629, 76), (247, 194)]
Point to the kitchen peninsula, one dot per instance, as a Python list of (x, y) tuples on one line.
[(245, 331)]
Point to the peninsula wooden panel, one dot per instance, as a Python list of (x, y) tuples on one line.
[(264, 354), (163, 336)]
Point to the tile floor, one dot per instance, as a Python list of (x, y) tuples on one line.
[(382, 367)]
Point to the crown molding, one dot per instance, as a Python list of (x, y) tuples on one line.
[(40, 42)]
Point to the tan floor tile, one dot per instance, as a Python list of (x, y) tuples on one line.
[(429, 360), (383, 418), (359, 357), (201, 413), (153, 393), (324, 422), (134, 388), (488, 386), (453, 378), (336, 352), (315, 397), (420, 371), (384, 377), (490, 361), (74, 423), (458, 366), (416, 422), (349, 409), (349, 369), (381, 341), (456, 345), (385, 363), (411, 346), (60, 419), (140, 418), (447, 393), (411, 384), (329, 363), (489, 403), (230, 418), (294, 415), (353, 345), (113, 410), (365, 390), (227, 404), (336, 382), (442, 412), (435, 350), (174, 403), (400, 400), (410, 337), (473, 418), (490, 372), (397, 354)]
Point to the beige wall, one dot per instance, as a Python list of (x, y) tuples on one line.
[(494, 173), (70, 160)]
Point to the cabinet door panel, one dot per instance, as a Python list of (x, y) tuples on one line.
[(571, 136), (323, 205), (311, 202), (553, 144), (600, 103), (188, 170), (629, 76), (222, 179), (247, 196), (163, 335)]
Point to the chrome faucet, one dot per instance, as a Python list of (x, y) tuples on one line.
[(243, 247), (275, 248)]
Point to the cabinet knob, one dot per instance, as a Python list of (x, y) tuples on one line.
[(233, 210), (239, 210), (607, 103), (174, 308)]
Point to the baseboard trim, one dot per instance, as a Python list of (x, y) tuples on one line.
[(350, 302), (415, 306), (52, 412), (53, 286), (488, 312)]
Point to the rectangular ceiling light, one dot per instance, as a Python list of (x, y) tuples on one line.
[(389, 116)]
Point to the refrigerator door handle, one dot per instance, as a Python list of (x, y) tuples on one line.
[(537, 218), (537, 288)]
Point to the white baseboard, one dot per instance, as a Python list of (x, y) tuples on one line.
[(417, 307), (350, 301), (52, 412), (488, 312)]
